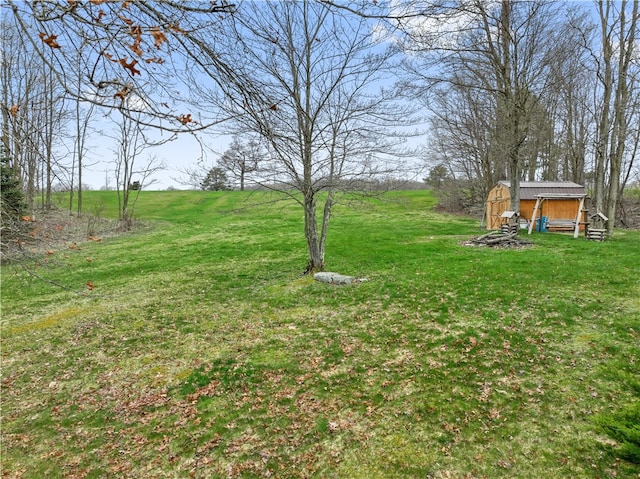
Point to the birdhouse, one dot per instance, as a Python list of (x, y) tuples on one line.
[(597, 230), (509, 217), (598, 220), (509, 221)]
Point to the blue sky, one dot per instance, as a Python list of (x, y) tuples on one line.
[(179, 154)]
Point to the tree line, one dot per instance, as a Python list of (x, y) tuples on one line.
[(532, 90), (322, 98)]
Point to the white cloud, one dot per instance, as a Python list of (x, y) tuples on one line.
[(432, 27)]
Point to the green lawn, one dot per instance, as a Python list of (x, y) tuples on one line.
[(198, 350)]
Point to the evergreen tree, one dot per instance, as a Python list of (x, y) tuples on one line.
[(215, 180), (11, 194)]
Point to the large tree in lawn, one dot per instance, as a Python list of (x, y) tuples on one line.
[(308, 79)]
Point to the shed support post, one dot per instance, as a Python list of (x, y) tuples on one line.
[(533, 217), (576, 230)]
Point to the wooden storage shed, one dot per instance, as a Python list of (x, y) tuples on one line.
[(561, 203)]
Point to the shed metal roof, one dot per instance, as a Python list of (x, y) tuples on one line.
[(529, 190)]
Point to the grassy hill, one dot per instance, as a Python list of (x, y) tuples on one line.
[(193, 348)]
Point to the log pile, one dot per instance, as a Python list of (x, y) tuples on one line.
[(498, 239)]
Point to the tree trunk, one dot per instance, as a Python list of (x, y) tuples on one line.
[(514, 183), (315, 247), (48, 134), (81, 132), (80, 183), (613, 128), (604, 121), (325, 221)]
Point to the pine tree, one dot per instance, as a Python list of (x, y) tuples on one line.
[(12, 202), (215, 180)]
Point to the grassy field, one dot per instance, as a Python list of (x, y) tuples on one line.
[(193, 348)]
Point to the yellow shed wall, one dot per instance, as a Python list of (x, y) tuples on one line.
[(499, 200), (555, 209)]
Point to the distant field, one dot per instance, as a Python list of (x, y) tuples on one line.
[(192, 347)]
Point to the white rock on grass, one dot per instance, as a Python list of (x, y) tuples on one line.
[(335, 278)]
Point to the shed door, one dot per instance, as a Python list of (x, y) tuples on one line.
[(496, 208), (497, 204)]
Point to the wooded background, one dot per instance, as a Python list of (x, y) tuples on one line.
[(509, 90)]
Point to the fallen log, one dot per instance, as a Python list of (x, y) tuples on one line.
[(492, 234), (502, 238)]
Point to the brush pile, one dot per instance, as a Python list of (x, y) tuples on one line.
[(497, 239)]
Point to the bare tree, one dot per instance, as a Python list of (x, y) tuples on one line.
[(540, 71), (33, 115), (618, 77), (461, 128), (495, 58), (132, 142), (82, 114), (242, 159), (125, 49), (630, 167), (309, 80), (106, 53), (570, 95)]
